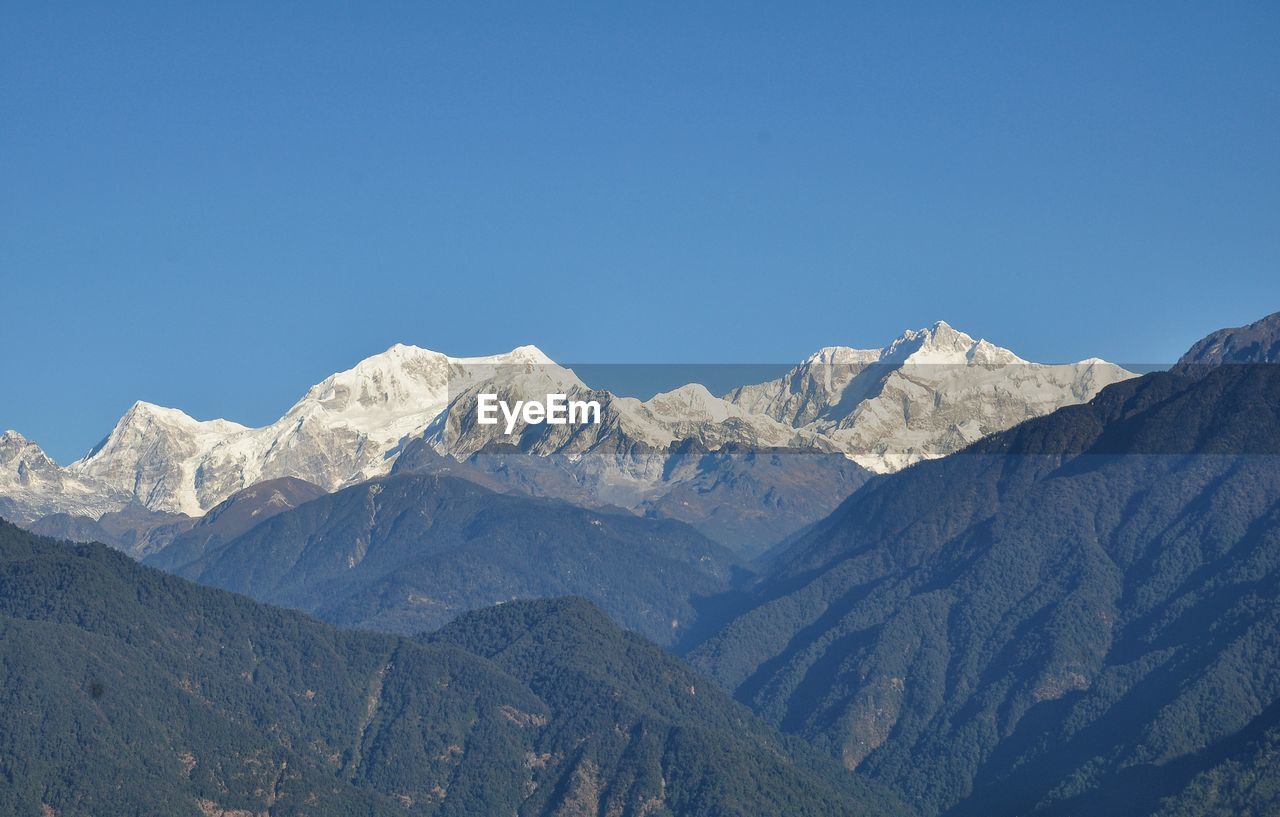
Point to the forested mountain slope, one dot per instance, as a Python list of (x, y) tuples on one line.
[(1077, 616), (125, 691), (410, 552), (650, 718)]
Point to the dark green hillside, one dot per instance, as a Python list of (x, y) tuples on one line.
[(1237, 778), (628, 710), (410, 552), (1078, 616), (125, 691)]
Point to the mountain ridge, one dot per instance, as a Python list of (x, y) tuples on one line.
[(1076, 615), (928, 393), (409, 552), (925, 394), (124, 690), (1257, 342)]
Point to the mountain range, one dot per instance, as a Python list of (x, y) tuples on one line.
[(684, 454), (927, 394), (1075, 616), (127, 691), (408, 553)]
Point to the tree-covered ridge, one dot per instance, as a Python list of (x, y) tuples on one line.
[(130, 692), (410, 552), (1079, 616), (675, 725), (125, 691)]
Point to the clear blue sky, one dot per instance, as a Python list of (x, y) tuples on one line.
[(214, 205)]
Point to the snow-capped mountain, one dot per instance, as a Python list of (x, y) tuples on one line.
[(156, 455), (686, 413), (927, 394), (346, 429), (32, 485), (622, 460)]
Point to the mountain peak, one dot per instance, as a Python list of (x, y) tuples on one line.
[(928, 393), (529, 354), (939, 343), (143, 416), (693, 392), (944, 334), (15, 447), (1259, 342), (396, 356), (401, 348), (691, 401), (403, 379), (142, 408), (843, 356), (401, 356)]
